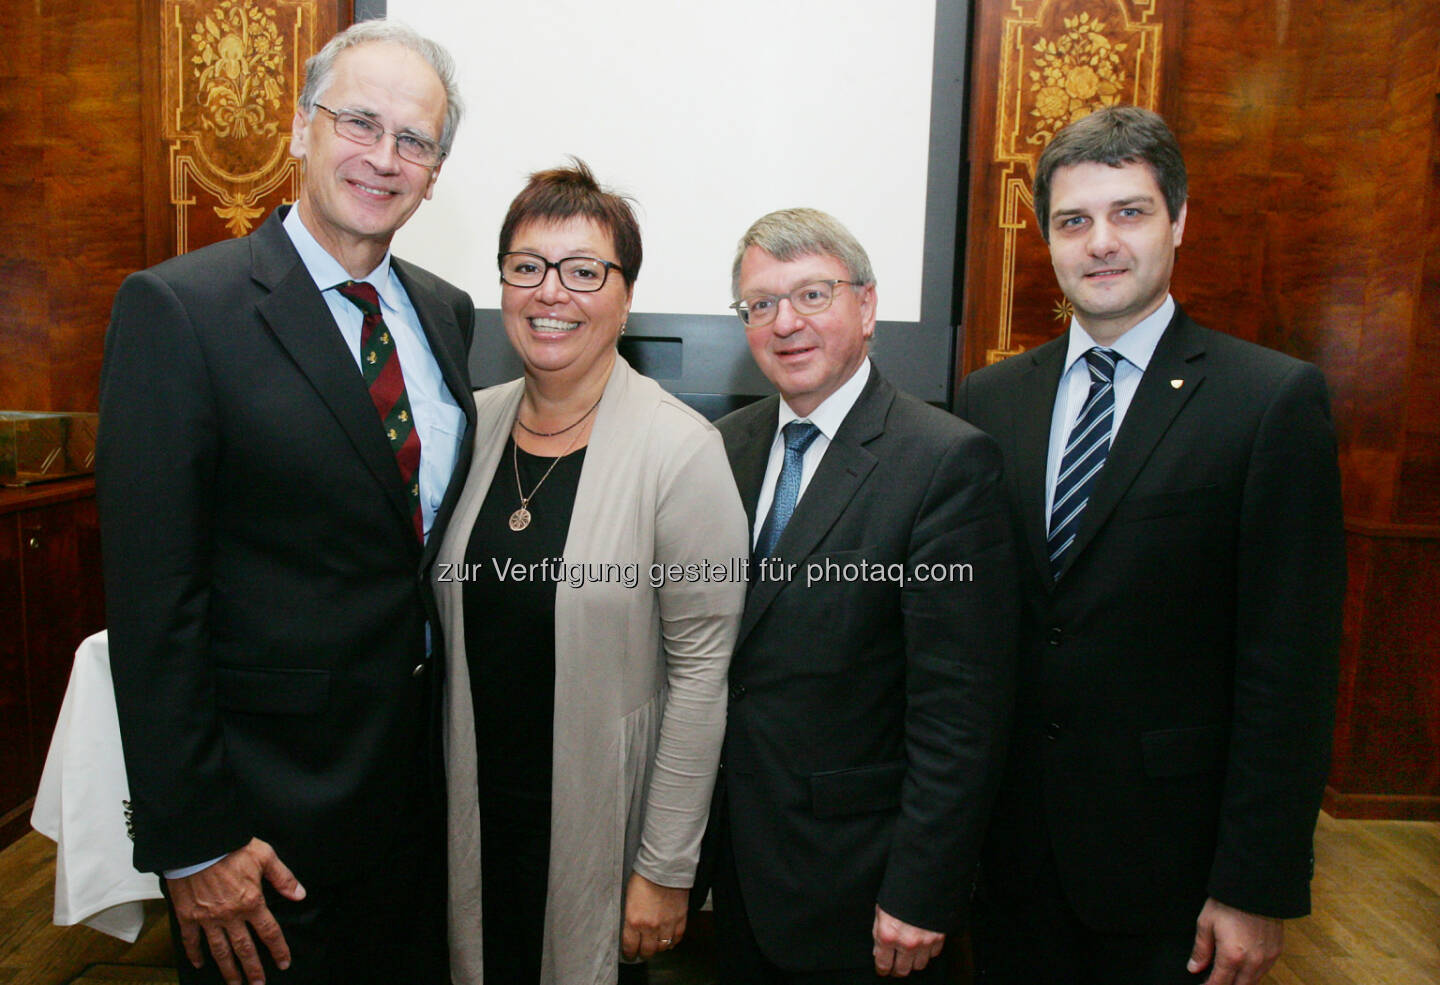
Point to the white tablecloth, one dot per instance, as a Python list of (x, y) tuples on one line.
[(81, 806)]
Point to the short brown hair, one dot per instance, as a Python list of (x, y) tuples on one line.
[(565, 193), (1115, 135)]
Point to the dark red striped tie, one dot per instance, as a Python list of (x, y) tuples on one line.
[(381, 365)]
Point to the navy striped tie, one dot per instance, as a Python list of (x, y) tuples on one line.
[(1084, 455)]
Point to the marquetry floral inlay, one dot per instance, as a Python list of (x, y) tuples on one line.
[(1073, 75), (239, 67)]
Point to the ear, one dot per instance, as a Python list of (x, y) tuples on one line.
[(298, 128), (629, 297), (1179, 224), (430, 184), (868, 306)]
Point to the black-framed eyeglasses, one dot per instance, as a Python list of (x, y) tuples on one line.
[(365, 131), (807, 299), (583, 274)]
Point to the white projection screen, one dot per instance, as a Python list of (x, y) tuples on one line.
[(709, 116)]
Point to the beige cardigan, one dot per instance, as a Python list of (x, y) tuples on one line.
[(639, 672)]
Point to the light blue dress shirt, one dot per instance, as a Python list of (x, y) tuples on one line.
[(1136, 346), (437, 416)]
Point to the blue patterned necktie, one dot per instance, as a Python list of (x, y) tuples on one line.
[(1084, 455), (798, 435)]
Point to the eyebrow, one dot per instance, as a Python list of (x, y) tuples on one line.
[(370, 114), (1119, 203)]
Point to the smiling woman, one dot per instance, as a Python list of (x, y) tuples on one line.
[(583, 738)]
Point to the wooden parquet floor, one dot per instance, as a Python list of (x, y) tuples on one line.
[(1376, 919)]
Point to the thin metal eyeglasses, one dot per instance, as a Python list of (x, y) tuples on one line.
[(362, 130), (807, 299), (582, 274)]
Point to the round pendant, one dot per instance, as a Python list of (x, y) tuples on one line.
[(520, 519)]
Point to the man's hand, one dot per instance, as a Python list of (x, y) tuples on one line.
[(1243, 945), (901, 948), (654, 917), (225, 901)]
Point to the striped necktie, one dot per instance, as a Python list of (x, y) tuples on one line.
[(1084, 455), (798, 436), (380, 363)]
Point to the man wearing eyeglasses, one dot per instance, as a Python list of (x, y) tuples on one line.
[(281, 418), (871, 682)]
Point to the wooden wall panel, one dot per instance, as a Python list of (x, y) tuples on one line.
[(222, 94), (1312, 136), (71, 228), (1038, 64), (99, 187), (1388, 729)]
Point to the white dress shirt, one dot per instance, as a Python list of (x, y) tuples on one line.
[(827, 417), (1136, 347)]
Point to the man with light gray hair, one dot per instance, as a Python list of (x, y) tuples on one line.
[(282, 415), (871, 683)]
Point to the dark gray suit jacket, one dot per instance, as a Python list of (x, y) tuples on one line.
[(265, 590), (868, 709), (1178, 683)]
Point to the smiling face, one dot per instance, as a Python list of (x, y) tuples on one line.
[(1112, 243), (807, 357), (563, 334), (353, 198)]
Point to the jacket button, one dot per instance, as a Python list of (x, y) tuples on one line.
[(737, 691), (419, 669), (1052, 730), (1057, 635)]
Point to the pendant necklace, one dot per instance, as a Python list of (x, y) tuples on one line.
[(520, 519)]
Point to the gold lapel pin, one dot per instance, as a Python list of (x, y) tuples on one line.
[(1176, 384)]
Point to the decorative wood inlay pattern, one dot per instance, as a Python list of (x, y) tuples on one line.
[(230, 74), (1059, 61)]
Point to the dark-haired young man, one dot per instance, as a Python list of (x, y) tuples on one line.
[(1178, 499)]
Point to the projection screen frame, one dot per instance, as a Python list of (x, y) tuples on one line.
[(715, 371)]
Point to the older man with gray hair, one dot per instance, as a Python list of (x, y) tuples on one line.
[(281, 417), (871, 684)]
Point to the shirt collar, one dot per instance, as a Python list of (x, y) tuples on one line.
[(1137, 345), (326, 271), (833, 409)]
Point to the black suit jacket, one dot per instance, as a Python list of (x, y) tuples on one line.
[(1177, 683), (867, 709), (265, 589)]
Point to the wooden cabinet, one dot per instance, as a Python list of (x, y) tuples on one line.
[(51, 598)]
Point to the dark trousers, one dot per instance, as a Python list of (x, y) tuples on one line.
[(741, 961), (515, 848), (383, 927), (1029, 935)]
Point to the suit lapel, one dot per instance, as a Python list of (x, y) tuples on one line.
[(441, 331), (301, 320), (1034, 407), (749, 456), (841, 473), (1156, 402)]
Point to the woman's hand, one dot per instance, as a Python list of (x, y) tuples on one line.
[(654, 918)]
